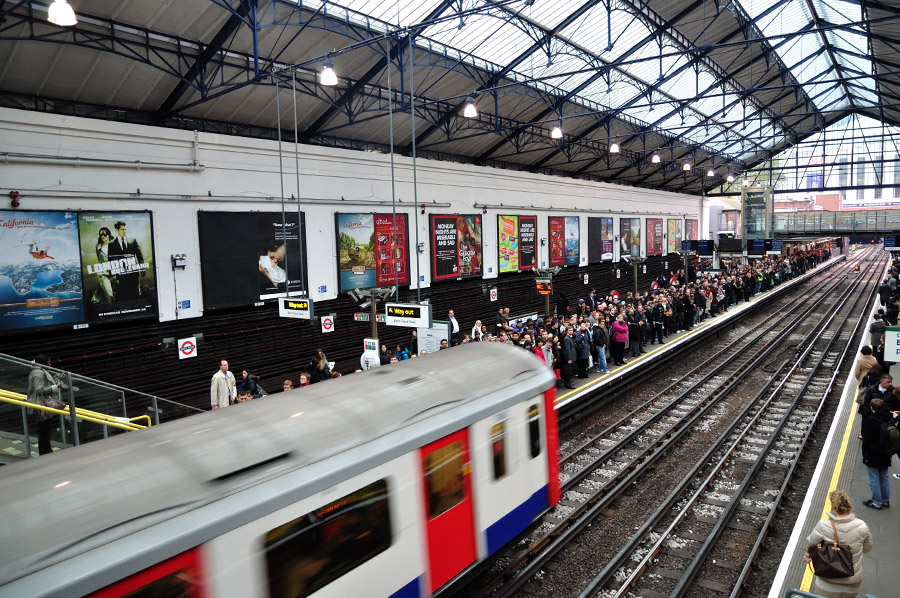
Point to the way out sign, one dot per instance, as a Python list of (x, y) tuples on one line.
[(300, 309), (409, 315), (187, 347)]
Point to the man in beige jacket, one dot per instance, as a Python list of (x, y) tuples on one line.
[(864, 363), (223, 390)]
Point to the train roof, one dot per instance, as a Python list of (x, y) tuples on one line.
[(66, 503)]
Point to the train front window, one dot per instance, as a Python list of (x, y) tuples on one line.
[(534, 430), (312, 551), (444, 475), (498, 449)]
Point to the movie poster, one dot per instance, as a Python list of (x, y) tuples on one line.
[(673, 242), (654, 236), (40, 271), (372, 252), (249, 257), (691, 230), (117, 266), (455, 246), (565, 247), (516, 236), (630, 236)]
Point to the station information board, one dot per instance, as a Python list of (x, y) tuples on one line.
[(544, 286), (890, 243)]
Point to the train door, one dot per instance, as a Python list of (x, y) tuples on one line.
[(449, 513)]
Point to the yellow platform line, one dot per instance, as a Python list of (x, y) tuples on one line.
[(832, 486)]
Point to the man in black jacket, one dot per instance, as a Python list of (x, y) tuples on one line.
[(600, 338), (882, 391), (875, 460), (569, 357)]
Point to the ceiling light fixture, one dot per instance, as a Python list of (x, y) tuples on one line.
[(556, 133), (60, 13), (614, 148), (470, 111), (746, 183), (730, 178), (710, 173), (686, 167), (327, 76), (655, 158)]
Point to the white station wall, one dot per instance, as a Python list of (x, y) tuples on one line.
[(241, 174)]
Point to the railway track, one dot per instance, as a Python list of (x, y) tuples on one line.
[(599, 470)]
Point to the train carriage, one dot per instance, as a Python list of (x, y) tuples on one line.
[(391, 482)]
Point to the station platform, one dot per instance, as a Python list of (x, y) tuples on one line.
[(840, 466), (598, 381)]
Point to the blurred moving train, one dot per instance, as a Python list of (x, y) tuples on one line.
[(392, 482)]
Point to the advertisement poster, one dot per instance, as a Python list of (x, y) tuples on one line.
[(565, 248), (117, 269), (249, 257), (606, 235), (691, 230), (630, 236), (673, 241), (40, 270), (654, 236), (455, 246), (372, 252), (516, 236), (595, 239)]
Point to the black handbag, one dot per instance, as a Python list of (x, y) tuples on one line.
[(831, 560)]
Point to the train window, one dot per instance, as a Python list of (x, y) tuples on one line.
[(177, 577), (444, 474), (312, 551), (534, 430), (498, 449)]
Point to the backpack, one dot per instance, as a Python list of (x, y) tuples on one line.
[(889, 438)]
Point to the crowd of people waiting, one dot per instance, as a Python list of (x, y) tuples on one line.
[(878, 400)]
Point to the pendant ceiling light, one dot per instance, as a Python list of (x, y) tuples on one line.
[(470, 111), (60, 13), (327, 76)]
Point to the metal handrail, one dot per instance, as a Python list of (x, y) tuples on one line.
[(84, 414)]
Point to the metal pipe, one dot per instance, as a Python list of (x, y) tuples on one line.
[(78, 162), (487, 206), (130, 195), (412, 118), (76, 440), (387, 57), (301, 229), (287, 274)]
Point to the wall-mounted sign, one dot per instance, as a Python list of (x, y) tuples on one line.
[(691, 229), (187, 347), (493, 294), (544, 286), (299, 309), (673, 238), (409, 315), (327, 324), (365, 317)]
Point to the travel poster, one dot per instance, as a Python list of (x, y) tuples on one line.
[(250, 257), (516, 236), (117, 267), (372, 252), (40, 270), (691, 230), (455, 246), (595, 239), (654, 236), (630, 236), (673, 242)]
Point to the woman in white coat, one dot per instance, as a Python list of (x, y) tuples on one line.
[(852, 532)]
